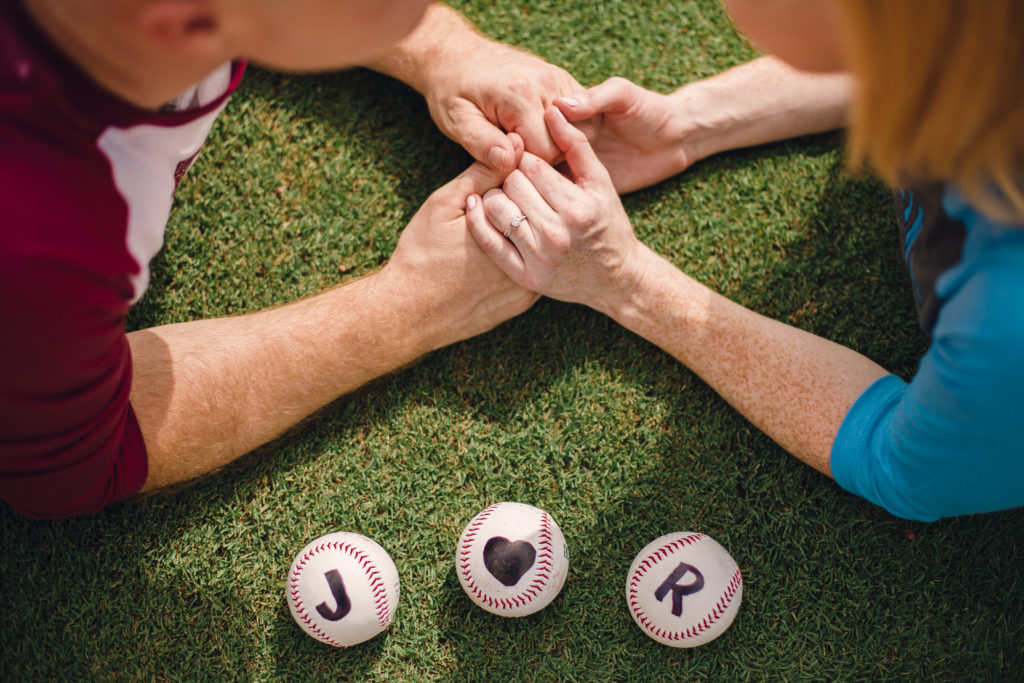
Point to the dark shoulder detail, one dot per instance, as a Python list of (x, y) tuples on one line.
[(932, 243)]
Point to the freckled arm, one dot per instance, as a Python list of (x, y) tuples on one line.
[(794, 386)]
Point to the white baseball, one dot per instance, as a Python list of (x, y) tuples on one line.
[(342, 589), (512, 559), (684, 589)]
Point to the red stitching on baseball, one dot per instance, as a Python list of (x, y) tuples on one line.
[(376, 584), (542, 573), (717, 612)]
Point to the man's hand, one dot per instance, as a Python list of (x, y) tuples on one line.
[(494, 89), (205, 392), (479, 91), (438, 262)]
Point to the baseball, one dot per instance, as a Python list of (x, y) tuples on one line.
[(342, 589), (512, 559), (684, 589)]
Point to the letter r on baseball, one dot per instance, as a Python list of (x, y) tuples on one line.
[(678, 589)]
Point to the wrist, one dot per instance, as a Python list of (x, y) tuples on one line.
[(661, 296), (623, 301), (704, 121), (441, 38), (413, 309)]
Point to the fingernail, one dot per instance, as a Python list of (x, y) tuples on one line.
[(496, 157), (470, 202), (570, 101)]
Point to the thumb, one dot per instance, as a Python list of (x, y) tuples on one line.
[(475, 180), (579, 155), (610, 96), (481, 138)]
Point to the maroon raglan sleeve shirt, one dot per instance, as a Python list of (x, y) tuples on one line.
[(86, 184)]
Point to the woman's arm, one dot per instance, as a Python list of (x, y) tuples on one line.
[(577, 245), (645, 137)]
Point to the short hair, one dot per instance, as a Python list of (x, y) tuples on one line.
[(940, 95)]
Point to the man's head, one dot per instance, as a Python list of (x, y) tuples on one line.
[(291, 35), (150, 51)]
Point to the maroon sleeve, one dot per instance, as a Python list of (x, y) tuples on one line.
[(74, 244), (69, 441)]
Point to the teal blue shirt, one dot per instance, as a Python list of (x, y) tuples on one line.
[(951, 441)]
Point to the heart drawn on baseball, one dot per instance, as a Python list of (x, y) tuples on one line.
[(511, 559), (506, 560)]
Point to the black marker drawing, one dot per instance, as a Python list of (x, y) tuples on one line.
[(679, 590), (340, 596), (508, 561)]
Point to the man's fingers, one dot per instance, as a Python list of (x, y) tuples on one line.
[(535, 135), (482, 138), (584, 164)]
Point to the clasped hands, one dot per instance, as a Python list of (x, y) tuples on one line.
[(509, 109)]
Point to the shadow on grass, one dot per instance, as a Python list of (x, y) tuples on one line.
[(189, 584), (833, 583), (363, 156)]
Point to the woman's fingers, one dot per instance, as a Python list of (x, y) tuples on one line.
[(489, 237), (510, 220), (548, 184), (584, 164)]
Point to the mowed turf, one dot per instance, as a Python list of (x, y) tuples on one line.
[(307, 182)]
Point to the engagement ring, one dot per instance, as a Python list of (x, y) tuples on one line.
[(514, 224)]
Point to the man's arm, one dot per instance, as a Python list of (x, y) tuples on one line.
[(208, 391), (478, 89), (644, 137)]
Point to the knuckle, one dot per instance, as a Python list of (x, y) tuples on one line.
[(531, 163), (520, 85), (493, 195), (581, 213), (560, 243), (530, 281), (515, 178)]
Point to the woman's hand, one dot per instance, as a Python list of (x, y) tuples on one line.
[(639, 135), (575, 243), (645, 137)]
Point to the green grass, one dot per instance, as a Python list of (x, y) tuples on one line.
[(307, 182)]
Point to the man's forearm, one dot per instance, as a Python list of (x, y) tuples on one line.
[(794, 386), (441, 33), (759, 102), (209, 391)]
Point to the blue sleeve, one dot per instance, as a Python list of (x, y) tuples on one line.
[(951, 442)]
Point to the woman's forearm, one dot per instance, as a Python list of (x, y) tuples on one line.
[(759, 102), (794, 386)]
